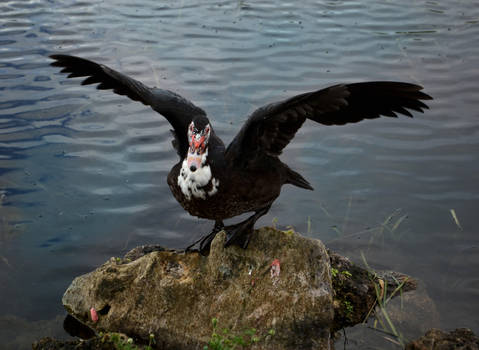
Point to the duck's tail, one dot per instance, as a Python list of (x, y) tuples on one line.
[(293, 178)]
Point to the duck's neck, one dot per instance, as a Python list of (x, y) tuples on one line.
[(200, 183)]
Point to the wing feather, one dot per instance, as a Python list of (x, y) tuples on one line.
[(270, 128), (176, 109)]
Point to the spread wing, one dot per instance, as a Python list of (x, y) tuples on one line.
[(270, 128), (176, 109)]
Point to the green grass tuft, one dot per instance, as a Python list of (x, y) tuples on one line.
[(226, 340)]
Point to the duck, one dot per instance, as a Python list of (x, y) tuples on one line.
[(216, 182)]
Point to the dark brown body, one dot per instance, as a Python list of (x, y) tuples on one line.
[(255, 185)]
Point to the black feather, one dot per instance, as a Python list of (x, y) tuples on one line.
[(335, 105), (176, 109)]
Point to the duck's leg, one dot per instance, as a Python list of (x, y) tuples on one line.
[(206, 240), (240, 234)]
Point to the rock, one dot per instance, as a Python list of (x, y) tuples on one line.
[(355, 290), (109, 341), (175, 296), (435, 339), (281, 283), (48, 343), (413, 313)]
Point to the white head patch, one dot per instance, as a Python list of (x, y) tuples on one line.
[(196, 183)]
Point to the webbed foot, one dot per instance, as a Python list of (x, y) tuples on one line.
[(205, 241), (240, 234)]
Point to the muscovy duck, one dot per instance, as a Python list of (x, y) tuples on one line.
[(217, 183)]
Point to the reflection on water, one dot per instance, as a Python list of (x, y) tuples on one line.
[(83, 173)]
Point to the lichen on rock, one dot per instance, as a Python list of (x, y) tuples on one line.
[(176, 295)]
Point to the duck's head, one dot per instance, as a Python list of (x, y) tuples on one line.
[(199, 132)]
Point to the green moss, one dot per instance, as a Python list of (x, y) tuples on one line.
[(349, 309), (225, 339), (335, 273), (122, 342)]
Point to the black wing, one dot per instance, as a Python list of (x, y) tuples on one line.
[(270, 128), (176, 109)]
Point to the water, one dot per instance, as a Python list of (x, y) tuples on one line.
[(83, 173)]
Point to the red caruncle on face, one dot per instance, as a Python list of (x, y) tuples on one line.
[(198, 140)]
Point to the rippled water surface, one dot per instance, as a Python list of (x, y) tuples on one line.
[(83, 172)]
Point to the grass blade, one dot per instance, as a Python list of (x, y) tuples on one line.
[(456, 220)]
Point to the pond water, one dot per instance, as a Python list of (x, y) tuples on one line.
[(83, 172)]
